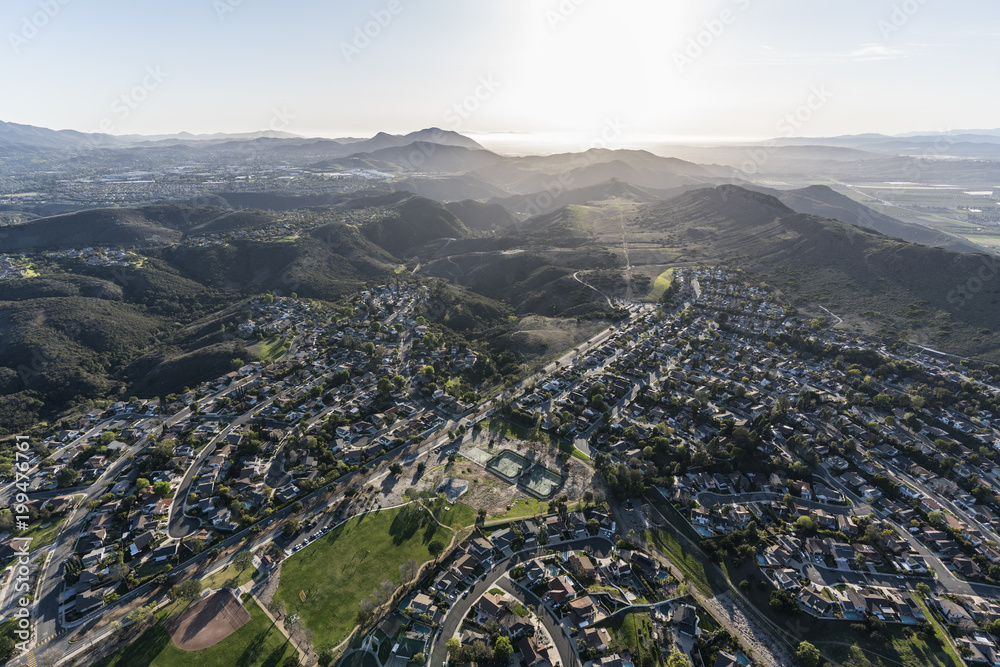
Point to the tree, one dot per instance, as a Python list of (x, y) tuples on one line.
[(384, 387), (388, 588), (326, 656), (421, 659), (67, 477), (453, 646), (243, 560), (923, 589), (783, 602), (435, 548), (806, 524), (678, 659), (807, 655), (188, 590), (935, 518), (7, 648), (588, 497), (367, 607), (140, 616), (291, 527), (481, 515), (408, 570), (396, 468), (141, 485), (162, 489), (502, 650)]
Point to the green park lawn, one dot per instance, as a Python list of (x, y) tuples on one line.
[(271, 349), (229, 577), (342, 568), (256, 644)]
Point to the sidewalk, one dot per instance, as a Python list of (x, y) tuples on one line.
[(281, 628)]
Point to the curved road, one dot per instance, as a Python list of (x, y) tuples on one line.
[(460, 609)]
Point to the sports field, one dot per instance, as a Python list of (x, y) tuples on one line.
[(508, 465), (541, 482)]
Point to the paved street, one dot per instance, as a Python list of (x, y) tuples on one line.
[(439, 653)]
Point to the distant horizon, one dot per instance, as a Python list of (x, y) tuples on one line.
[(719, 69), (517, 143)]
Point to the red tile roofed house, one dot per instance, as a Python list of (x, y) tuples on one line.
[(162, 507)]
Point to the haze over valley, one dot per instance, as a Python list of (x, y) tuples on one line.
[(502, 333)]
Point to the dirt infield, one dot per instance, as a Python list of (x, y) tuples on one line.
[(208, 621)]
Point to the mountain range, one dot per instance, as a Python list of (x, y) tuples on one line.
[(17, 137)]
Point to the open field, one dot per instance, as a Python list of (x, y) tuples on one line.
[(458, 515), (42, 536), (270, 349), (230, 577), (507, 429), (690, 564), (341, 568), (522, 508), (546, 338), (256, 644), (633, 633), (660, 285)]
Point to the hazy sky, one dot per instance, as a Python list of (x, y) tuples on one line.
[(621, 67)]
